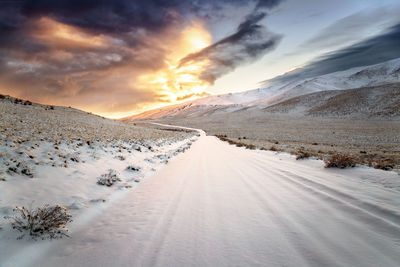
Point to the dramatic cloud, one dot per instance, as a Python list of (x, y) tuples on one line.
[(352, 28), (372, 51), (250, 41), (116, 57)]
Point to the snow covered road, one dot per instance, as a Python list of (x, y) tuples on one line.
[(219, 205)]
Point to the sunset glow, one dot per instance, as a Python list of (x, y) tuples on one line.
[(182, 83), (119, 58)]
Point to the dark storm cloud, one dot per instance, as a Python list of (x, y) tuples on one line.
[(114, 15), (371, 51), (250, 42)]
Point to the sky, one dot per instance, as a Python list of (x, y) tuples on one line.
[(118, 58)]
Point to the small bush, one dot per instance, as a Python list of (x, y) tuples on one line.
[(252, 147), (47, 222), (74, 158), (272, 148), (386, 165), (120, 157), (2, 178), (21, 168), (108, 178), (238, 144), (339, 161), (133, 168), (302, 155)]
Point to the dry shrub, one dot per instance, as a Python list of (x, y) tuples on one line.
[(339, 161), (272, 148), (108, 178), (302, 155), (238, 144), (133, 168), (120, 157), (21, 168), (2, 178), (386, 165), (252, 147), (47, 222)]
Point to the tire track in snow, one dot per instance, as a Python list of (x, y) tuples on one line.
[(306, 181), (323, 237), (164, 224), (293, 231)]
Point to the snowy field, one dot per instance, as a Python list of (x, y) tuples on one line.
[(219, 205)]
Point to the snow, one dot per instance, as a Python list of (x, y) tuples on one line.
[(67, 174), (219, 205)]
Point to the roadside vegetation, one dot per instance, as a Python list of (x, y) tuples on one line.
[(47, 222), (334, 157)]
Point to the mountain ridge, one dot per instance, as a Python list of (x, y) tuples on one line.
[(360, 77)]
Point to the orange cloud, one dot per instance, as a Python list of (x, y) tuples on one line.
[(104, 75), (181, 83), (61, 35)]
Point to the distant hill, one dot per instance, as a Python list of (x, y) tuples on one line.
[(376, 101), (375, 77)]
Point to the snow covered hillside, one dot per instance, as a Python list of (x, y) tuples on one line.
[(364, 102), (379, 74), (368, 76), (57, 155)]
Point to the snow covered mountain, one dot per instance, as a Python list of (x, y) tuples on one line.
[(359, 77), (364, 102), (379, 74)]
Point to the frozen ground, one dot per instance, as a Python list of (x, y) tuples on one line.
[(219, 205)]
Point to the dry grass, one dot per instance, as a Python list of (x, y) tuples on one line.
[(26, 127), (2, 178), (339, 161), (133, 168), (385, 165), (238, 144), (109, 178), (33, 122), (302, 155)]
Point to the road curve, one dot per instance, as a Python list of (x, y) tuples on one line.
[(219, 205)]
